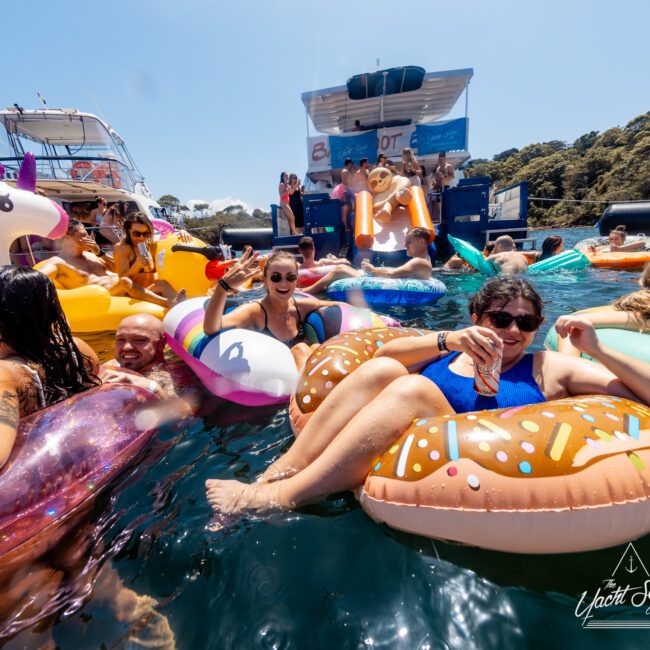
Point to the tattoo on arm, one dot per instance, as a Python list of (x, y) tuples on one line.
[(9, 410)]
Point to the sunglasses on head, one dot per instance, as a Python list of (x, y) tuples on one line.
[(277, 277), (525, 322), (139, 233)]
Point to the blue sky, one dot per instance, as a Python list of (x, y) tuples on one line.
[(206, 94)]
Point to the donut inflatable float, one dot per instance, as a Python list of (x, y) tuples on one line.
[(562, 476), (388, 291), (59, 463), (334, 360), (565, 476), (248, 367)]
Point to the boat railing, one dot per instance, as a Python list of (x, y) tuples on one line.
[(511, 231), (106, 171)]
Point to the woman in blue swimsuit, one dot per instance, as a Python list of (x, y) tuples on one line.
[(371, 408), (279, 314)]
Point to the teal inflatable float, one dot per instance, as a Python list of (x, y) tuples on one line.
[(570, 260), (634, 344)]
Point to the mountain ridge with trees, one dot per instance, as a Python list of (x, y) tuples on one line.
[(601, 167)]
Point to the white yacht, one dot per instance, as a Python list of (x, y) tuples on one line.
[(79, 157)]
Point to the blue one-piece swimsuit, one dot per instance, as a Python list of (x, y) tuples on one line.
[(517, 386)]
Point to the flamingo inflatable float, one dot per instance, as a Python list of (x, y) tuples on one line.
[(24, 213)]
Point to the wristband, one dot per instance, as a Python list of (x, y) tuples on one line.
[(442, 342), (225, 286)]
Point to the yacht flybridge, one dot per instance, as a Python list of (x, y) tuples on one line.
[(383, 112), (79, 157)]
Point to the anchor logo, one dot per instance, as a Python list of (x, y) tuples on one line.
[(631, 568)]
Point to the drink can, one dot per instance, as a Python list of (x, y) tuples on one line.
[(486, 378), (142, 249)]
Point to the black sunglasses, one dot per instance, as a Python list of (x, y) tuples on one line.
[(525, 322), (277, 277), (139, 233)]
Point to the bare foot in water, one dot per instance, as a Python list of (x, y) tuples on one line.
[(236, 498)]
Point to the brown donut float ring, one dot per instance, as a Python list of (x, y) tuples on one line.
[(332, 361), (562, 476)]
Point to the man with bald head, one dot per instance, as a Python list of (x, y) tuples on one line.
[(506, 259), (139, 347)]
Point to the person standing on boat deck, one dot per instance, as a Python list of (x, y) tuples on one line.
[(357, 125), (348, 195), (295, 201), (307, 249), (283, 191), (505, 258), (112, 225), (140, 267), (443, 177), (410, 167)]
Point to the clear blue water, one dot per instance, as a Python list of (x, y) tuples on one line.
[(327, 576)]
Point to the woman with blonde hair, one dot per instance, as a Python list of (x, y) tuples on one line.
[(410, 167), (629, 312)]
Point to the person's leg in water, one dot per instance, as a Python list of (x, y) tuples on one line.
[(346, 460), (341, 271), (126, 287), (291, 220)]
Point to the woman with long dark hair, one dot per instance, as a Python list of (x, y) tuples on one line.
[(551, 246), (135, 258), (374, 405), (40, 362)]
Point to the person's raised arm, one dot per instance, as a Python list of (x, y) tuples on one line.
[(9, 415), (619, 374), (480, 343), (234, 278), (122, 266)]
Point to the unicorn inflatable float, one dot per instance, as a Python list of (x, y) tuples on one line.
[(24, 213)]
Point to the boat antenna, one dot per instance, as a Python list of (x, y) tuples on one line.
[(42, 99), (99, 110), (377, 64)]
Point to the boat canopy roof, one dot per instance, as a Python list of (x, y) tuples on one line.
[(66, 127), (385, 98)]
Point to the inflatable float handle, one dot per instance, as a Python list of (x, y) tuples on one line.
[(211, 252), (364, 227), (420, 217)]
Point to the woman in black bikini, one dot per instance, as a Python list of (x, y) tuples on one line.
[(279, 314)]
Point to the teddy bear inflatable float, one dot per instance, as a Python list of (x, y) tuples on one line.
[(388, 192)]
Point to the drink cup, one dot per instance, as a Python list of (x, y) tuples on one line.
[(486, 378), (142, 249)]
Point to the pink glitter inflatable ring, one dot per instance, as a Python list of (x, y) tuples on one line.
[(59, 463)]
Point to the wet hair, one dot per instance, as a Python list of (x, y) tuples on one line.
[(32, 324), (73, 226), (620, 230), (279, 255), (638, 302), (504, 289), (136, 217), (549, 246), (421, 233), (305, 242)]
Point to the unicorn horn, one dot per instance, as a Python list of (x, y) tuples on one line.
[(27, 173)]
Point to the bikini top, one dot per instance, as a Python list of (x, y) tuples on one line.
[(517, 386), (298, 338), (36, 378)]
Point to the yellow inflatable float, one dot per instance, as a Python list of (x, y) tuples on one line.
[(92, 308)]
